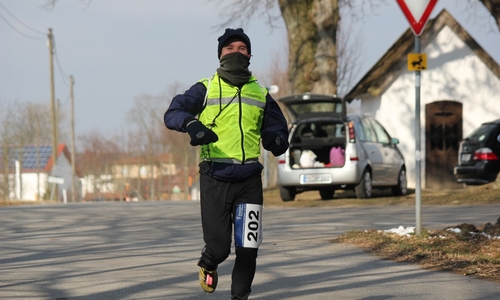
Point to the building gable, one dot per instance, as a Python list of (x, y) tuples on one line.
[(462, 82), (388, 68), (34, 158)]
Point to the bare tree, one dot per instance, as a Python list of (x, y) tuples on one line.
[(252, 7), (158, 148), (22, 124), (6, 139), (312, 32), (493, 6), (180, 152), (349, 53), (98, 153), (21, 134), (146, 117), (25, 123)]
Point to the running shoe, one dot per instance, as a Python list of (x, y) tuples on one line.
[(208, 280)]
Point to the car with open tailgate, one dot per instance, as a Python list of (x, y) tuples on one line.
[(331, 150)]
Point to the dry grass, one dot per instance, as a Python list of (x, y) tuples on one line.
[(470, 195), (24, 202), (467, 253)]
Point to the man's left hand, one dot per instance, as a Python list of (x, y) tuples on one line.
[(274, 142)]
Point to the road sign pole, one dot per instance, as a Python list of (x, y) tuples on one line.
[(417, 13), (418, 154)]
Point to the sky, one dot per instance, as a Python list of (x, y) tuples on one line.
[(118, 50)]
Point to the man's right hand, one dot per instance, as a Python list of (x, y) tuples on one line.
[(200, 134)]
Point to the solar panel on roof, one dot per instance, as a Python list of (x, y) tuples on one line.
[(30, 156)]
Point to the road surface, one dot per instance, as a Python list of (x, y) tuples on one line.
[(149, 250)]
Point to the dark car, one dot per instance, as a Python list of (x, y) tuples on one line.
[(478, 156)]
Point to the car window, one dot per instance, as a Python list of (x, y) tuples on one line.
[(338, 130), (495, 134), (368, 131), (481, 133), (360, 132), (329, 130), (382, 135), (304, 108)]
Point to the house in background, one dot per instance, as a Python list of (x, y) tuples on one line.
[(31, 174), (137, 178), (459, 90)]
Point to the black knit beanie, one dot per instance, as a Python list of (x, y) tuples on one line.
[(233, 33)]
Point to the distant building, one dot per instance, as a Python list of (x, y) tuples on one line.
[(136, 178), (29, 173)]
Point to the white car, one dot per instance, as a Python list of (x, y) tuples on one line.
[(330, 150)]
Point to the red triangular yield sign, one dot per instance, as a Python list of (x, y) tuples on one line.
[(417, 13)]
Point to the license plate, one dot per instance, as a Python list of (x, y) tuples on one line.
[(315, 178), (465, 157)]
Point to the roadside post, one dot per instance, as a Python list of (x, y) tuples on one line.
[(417, 13), (55, 180)]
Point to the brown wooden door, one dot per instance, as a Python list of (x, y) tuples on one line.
[(443, 133)]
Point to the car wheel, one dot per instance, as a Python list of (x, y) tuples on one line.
[(327, 193), (402, 187), (364, 187), (287, 193)]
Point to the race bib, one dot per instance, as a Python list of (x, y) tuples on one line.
[(248, 226)]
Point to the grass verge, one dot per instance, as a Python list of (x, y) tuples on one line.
[(465, 249)]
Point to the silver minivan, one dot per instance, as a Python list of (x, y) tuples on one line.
[(330, 150)]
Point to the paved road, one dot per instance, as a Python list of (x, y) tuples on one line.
[(148, 250)]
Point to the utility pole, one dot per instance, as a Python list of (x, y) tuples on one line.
[(37, 133), (73, 163), (57, 118), (53, 106)]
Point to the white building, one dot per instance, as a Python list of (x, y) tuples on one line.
[(32, 174), (459, 90)]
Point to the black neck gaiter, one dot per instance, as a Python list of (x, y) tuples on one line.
[(234, 69)]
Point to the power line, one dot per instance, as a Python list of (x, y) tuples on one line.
[(18, 31), (54, 52), (18, 20), (26, 25), (62, 73)]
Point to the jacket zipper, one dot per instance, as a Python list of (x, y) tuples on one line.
[(241, 128)]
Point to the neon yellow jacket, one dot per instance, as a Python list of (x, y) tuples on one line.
[(236, 117)]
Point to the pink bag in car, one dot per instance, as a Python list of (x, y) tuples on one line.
[(336, 157)]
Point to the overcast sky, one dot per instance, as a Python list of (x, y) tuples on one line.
[(117, 50)]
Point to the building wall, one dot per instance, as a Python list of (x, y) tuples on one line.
[(454, 73), (30, 187), (142, 170), (102, 184)]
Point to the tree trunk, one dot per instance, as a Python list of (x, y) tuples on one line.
[(312, 30), (493, 6)]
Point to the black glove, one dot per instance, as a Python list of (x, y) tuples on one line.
[(200, 134), (274, 142)]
